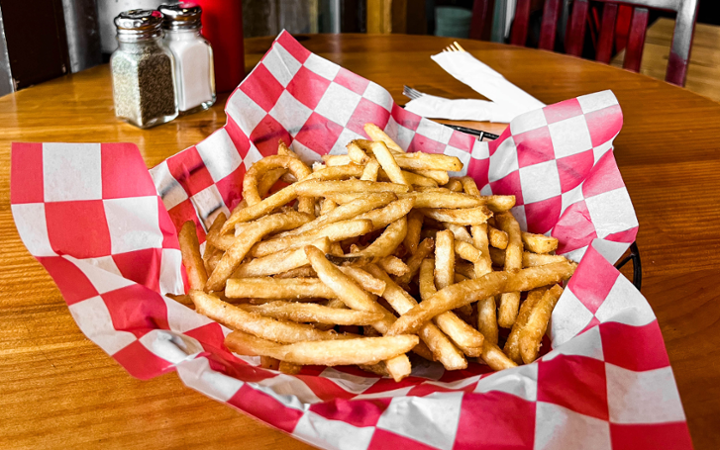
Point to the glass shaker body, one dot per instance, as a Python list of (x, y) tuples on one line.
[(143, 72), (194, 71)]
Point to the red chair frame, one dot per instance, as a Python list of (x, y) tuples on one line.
[(575, 33)]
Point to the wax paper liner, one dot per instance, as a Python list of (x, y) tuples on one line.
[(104, 227)]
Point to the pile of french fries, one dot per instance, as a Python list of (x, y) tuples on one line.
[(369, 256)]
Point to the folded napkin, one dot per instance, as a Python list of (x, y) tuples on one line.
[(508, 100), (434, 107)]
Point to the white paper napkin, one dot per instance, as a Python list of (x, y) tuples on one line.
[(508, 100), (434, 107)]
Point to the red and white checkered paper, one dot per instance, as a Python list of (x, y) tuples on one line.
[(105, 227)]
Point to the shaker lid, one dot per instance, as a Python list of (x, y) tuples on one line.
[(181, 16), (138, 21)]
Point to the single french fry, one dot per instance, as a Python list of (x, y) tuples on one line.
[(388, 163), (495, 358), (512, 345), (388, 241), (466, 251), (357, 154), (412, 238), (498, 238), (376, 134), (413, 263), (439, 344), (305, 204), (529, 259), (499, 203), (466, 216), (362, 350), (442, 200), (510, 301), (221, 241), (439, 176), (481, 242), (534, 259), (393, 265), (371, 170), (494, 283), (336, 160), (311, 312), (381, 217), (262, 301), (326, 206), (213, 260), (260, 167), (266, 206), (300, 272), (356, 298), (454, 185), (424, 161), (267, 362), (336, 231), (487, 319), (267, 181), (279, 262), (444, 259), (345, 211), (190, 250), (460, 232), (414, 179), (539, 243), (469, 186), (336, 173), (364, 279), (214, 229), (315, 188), (241, 247), (277, 288), (264, 327), (532, 333), (289, 368)]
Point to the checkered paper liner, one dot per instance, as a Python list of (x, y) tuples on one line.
[(105, 228)]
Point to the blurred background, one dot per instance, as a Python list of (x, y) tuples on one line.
[(45, 39)]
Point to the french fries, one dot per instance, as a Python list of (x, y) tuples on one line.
[(347, 242), (193, 262), (310, 312), (328, 353)]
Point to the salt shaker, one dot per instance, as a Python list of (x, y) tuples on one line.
[(142, 70), (194, 73)]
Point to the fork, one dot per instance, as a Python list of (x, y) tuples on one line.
[(411, 93), (454, 47), (414, 94)]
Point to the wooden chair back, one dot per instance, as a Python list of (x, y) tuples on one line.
[(575, 33)]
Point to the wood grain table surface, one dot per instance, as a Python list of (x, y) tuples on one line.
[(59, 390)]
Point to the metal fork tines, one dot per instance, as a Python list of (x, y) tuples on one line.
[(411, 93), (454, 47)]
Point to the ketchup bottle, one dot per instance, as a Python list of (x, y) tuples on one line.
[(223, 27)]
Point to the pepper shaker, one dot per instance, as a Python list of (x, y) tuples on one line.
[(142, 71), (194, 72)]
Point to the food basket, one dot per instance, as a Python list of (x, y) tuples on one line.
[(105, 228)]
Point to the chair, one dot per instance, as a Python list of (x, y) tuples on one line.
[(575, 33)]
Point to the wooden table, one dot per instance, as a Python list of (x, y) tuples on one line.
[(703, 75), (58, 390)]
